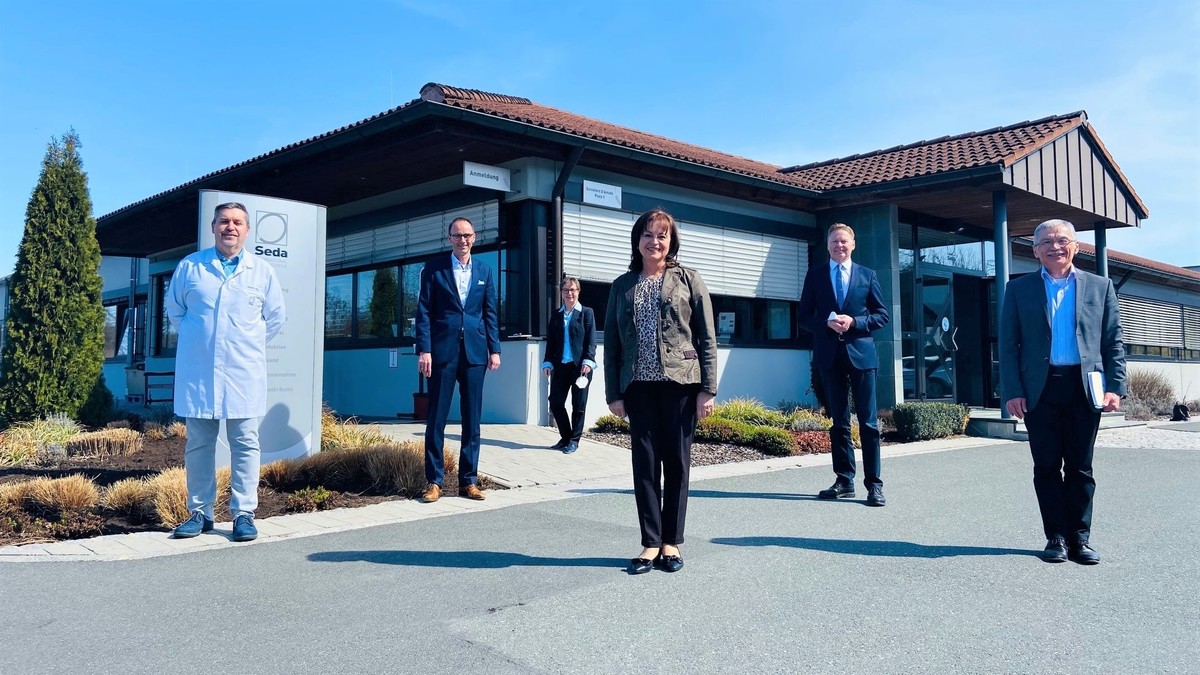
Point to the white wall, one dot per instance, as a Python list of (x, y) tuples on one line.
[(1184, 376)]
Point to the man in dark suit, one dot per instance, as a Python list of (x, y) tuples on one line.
[(840, 305), (1057, 328), (570, 354), (458, 337)]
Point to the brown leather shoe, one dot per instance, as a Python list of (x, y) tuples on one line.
[(432, 493), (471, 491)]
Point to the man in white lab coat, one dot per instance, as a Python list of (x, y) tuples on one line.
[(226, 304)]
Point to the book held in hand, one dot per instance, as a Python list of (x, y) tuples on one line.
[(1095, 387)]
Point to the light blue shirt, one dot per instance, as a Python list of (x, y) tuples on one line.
[(462, 277), (229, 265), (567, 356), (1060, 302)]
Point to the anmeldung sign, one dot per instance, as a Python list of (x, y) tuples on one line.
[(484, 176)]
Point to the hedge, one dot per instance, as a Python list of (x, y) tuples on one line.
[(923, 421)]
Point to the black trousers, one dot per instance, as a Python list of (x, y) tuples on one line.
[(839, 382), (469, 378), (662, 423), (562, 382), (1062, 437)]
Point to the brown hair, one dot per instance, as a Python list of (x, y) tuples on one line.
[(642, 224)]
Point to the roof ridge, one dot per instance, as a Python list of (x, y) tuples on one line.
[(438, 93), (942, 139)]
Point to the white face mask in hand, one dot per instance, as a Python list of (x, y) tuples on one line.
[(582, 382)]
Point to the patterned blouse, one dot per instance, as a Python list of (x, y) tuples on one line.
[(646, 297)]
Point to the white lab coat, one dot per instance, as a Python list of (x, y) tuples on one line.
[(224, 326)]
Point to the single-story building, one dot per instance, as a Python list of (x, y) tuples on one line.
[(936, 219)]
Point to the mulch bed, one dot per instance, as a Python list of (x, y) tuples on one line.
[(154, 457)]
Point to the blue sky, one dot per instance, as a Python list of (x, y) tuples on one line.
[(164, 92)]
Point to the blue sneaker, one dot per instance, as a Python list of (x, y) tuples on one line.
[(243, 528), (193, 526)]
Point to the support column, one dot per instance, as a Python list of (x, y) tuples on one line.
[(1003, 258), (1101, 249)]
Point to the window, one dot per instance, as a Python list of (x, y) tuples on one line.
[(368, 306), (166, 337), (119, 324)]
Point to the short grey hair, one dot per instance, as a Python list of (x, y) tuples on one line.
[(231, 205), (1053, 224)]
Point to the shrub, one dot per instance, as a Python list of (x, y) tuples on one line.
[(281, 474), (1137, 409), (1153, 389), (714, 429), (398, 468), (14, 494), (789, 407), (177, 430), (131, 497), (812, 442), (923, 421), (99, 408), (63, 495), (773, 441), (309, 499), (107, 442), (611, 424), (22, 443), (154, 431), (750, 411), (159, 414), (117, 424), (168, 494), (806, 420), (348, 435)]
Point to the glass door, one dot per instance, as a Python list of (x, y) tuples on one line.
[(934, 376)]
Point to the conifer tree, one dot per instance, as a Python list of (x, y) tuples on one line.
[(55, 346)]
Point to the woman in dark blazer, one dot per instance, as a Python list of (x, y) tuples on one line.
[(660, 370), (570, 354)]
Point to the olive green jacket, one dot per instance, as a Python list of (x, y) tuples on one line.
[(687, 335)]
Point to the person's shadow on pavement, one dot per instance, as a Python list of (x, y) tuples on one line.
[(463, 559), (898, 549)]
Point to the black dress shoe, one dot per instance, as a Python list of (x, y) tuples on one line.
[(838, 490), (561, 444), (669, 563), (639, 566), (875, 496), (1056, 550), (1084, 554)]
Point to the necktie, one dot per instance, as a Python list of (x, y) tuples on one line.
[(839, 287)]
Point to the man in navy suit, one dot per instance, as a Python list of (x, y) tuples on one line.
[(458, 337), (1058, 328), (570, 354), (840, 305)]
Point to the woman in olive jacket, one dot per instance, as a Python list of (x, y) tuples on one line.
[(660, 370)]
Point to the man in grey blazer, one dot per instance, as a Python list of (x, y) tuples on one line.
[(1058, 327)]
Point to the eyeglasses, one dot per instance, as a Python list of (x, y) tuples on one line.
[(464, 237), (570, 290), (1059, 241)]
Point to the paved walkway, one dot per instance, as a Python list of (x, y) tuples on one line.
[(516, 456)]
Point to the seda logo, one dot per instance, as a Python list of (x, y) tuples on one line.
[(271, 234)]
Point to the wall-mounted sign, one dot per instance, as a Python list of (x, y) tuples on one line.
[(484, 176), (601, 194), (726, 323)]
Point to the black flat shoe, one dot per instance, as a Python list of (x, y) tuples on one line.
[(640, 566), (669, 563)]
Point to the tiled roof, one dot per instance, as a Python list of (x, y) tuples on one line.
[(1001, 146), (1138, 261), (1129, 260), (525, 111)]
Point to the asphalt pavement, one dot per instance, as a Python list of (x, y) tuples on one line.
[(946, 578)]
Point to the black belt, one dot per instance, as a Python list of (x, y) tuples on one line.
[(1064, 371)]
